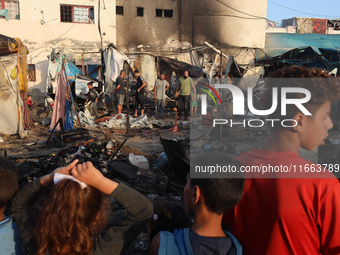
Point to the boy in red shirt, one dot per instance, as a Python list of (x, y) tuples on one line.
[(30, 101), (281, 214)]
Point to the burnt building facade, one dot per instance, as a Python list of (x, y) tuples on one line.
[(174, 25)]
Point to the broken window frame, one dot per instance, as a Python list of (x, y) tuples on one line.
[(73, 14), (160, 13), (138, 11), (13, 11), (168, 11), (31, 72), (121, 12), (164, 13)]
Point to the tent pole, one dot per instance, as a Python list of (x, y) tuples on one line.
[(70, 92), (127, 98), (18, 74), (82, 64)]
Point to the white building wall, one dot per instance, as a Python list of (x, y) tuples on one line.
[(40, 28)]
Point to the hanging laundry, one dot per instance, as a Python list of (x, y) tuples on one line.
[(60, 100), (305, 25), (320, 26)]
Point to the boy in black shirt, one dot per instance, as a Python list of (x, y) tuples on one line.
[(92, 97), (139, 100), (120, 90)]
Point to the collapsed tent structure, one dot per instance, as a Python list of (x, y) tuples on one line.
[(15, 115), (310, 50)]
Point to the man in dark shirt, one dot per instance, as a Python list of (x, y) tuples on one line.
[(139, 100), (92, 98), (120, 90)]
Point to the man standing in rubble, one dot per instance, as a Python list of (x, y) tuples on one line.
[(139, 100), (92, 98), (120, 89), (183, 88), (161, 85)]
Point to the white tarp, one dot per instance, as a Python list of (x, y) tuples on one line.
[(114, 61), (86, 119), (8, 96), (81, 87), (120, 120), (148, 70)]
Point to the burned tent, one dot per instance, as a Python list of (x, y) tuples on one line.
[(179, 67), (15, 115), (310, 50), (327, 59), (168, 66)]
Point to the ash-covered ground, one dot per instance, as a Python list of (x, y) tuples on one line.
[(35, 158)]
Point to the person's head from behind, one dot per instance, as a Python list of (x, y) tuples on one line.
[(219, 194), (167, 216), (70, 217), (8, 181), (312, 129)]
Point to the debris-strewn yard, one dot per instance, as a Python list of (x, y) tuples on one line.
[(106, 149)]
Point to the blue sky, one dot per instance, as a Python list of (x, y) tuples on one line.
[(302, 8)]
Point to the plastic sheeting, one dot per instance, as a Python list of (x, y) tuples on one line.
[(86, 119), (8, 96), (179, 67), (14, 112), (81, 87), (148, 70), (114, 61), (277, 44), (54, 65), (120, 120), (60, 100), (311, 57), (4, 13)]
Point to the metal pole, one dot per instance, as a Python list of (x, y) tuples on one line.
[(127, 98), (82, 64)]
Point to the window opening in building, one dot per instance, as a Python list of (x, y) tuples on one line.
[(76, 14), (119, 10), (159, 12), (168, 13), (140, 11), (13, 8), (31, 72)]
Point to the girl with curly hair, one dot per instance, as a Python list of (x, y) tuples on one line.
[(75, 212)]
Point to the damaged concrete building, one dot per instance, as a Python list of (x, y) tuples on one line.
[(141, 29), (177, 28), (178, 25), (75, 26)]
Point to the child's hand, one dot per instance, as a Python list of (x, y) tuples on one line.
[(47, 180), (87, 173), (90, 175), (66, 169)]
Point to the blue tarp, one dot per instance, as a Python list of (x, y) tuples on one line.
[(279, 43)]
